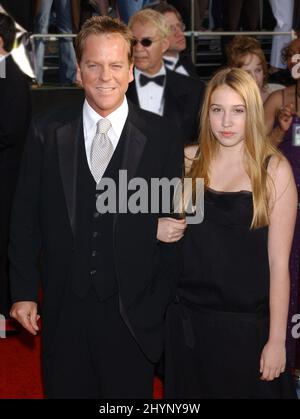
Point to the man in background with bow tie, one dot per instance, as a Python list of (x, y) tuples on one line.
[(106, 278), (156, 88)]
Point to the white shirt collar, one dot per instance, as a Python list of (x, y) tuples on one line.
[(172, 58), (2, 57)]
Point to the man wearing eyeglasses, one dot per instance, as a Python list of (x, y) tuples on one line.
[(156, 88), (176, 58)]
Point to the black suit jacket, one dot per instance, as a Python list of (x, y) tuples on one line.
[(44, 219), (183, 100), (186, 62)]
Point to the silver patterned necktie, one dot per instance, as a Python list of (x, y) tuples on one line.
[(102, 149)]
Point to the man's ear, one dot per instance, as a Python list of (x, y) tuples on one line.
[(165, 45)]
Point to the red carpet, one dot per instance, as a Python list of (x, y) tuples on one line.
[(20, 370)]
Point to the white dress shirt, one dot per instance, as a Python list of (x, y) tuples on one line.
[(173, 61), (90, 118), (151, 96)]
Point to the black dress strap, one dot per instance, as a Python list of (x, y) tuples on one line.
[(266, 162), (197, 152)]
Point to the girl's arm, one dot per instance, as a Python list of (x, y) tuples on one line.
[(283, 210)]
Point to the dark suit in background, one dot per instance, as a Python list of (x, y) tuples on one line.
[(186, 61), (132, 274)]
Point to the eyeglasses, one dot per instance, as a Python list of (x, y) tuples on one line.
[(177, 27), (145, 42)]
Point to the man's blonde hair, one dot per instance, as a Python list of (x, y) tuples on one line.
[(149, 16)]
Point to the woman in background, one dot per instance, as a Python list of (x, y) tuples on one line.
[(282, 116)]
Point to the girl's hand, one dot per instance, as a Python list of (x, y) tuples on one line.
[(272, 361)]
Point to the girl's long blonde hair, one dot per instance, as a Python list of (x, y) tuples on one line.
[(257, 148)]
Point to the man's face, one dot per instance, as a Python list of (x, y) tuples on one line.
[(104, 72), (176, 38), (148, 59), (253, 66), (227, 117)]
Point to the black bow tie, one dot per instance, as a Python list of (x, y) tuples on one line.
[(145, 80), (168, 62)]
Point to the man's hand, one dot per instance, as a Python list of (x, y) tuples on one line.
[(25, 312)]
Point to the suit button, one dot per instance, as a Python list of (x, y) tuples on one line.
[(94, 252), (95, 234), (93, 273), (96, 214)]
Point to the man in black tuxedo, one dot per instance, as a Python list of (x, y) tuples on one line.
[(156, 88), (106, 278), (176, 57), (14, 122)]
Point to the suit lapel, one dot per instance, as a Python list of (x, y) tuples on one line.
[(68, 138)]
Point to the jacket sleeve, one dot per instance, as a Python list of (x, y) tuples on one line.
[(25, 232)]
